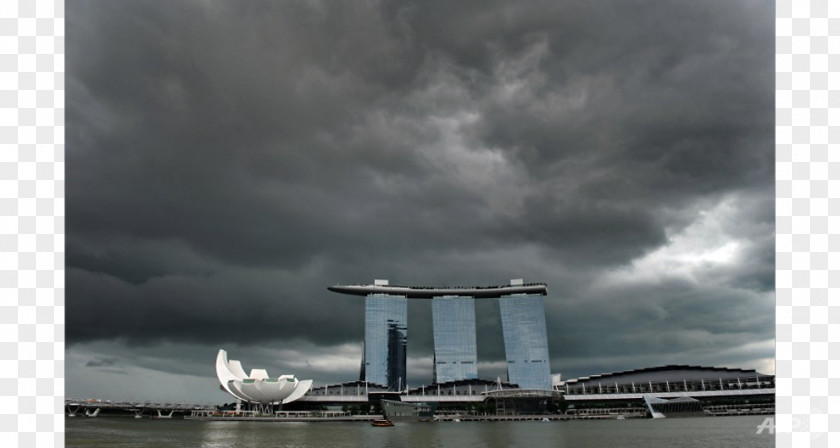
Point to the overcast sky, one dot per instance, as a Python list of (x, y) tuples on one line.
[(227, 161)]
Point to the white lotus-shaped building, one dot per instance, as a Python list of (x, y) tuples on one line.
[(258, 387)]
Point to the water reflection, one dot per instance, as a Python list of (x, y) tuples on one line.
[(680, 433)]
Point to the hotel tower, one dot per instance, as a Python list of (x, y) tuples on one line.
[(453, 317)]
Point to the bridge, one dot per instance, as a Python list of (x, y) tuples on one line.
[(93, 408)]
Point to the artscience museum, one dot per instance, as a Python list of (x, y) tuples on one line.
[(257, 387)]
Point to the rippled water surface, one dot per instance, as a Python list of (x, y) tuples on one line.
[(673, 433)]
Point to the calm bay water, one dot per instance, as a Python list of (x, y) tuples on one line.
[(674, 433)]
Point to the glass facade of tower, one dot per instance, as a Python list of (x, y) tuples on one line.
[(526, 343), (454, 333), (386, 330)]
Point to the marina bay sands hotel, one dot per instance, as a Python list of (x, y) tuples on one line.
[(453, 316)]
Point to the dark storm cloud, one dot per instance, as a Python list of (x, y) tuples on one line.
[(227, 161), (101, 362)]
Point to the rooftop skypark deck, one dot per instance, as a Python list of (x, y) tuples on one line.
[(426, 292)]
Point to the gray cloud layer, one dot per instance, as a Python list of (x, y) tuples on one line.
[(227, 161)]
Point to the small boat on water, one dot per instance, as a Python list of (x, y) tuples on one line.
[(381, 422)]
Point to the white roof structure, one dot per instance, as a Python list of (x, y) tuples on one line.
[(258, 387)]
